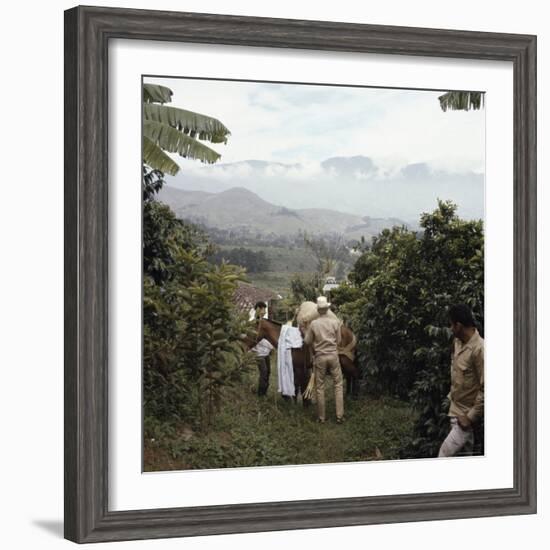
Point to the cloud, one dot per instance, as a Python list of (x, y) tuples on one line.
[(357, 166), (361, 150), (303, 123), (416, 171), (355, 185)]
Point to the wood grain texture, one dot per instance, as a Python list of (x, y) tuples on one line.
[(87, 34)]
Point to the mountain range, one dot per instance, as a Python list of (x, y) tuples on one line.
[(242, 210), (354, 184)]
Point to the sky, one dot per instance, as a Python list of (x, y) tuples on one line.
[(404, 134)]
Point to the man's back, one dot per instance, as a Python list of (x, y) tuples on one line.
[(324, 335)]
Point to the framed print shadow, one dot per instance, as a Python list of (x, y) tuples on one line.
[(304, 334)]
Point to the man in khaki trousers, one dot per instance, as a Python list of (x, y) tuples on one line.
[(323, 334)]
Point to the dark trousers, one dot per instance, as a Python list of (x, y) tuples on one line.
[(264, 370)]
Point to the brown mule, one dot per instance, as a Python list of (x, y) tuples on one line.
[(301, 363)]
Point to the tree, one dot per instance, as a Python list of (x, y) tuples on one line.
[(174, 130), (191, 328), (253, 262), (461, 101), (404, 284), (305, 287), (327, 251)]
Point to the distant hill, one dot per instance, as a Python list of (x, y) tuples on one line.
[(354, 184), (240, 209)]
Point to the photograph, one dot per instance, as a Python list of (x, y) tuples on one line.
[(313, 273), (288, 237)]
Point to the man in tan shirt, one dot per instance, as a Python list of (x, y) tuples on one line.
[(467, 382), (323, 334)]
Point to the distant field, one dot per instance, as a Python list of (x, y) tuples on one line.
[(283, 259), (278, 281), (284, 263)]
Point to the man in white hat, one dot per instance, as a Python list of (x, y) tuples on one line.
[(324, 336)]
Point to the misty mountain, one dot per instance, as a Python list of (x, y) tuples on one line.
[(243, 211), (355, 185)]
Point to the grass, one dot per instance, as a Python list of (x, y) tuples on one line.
[(251, 431)]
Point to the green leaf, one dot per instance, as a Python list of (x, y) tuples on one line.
[(155, 93), (157, 159), (194, 124), (461, 101), (169, 139)]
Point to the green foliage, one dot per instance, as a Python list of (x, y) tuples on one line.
[(344, 294), (191, 330), (195, 125), (153, 180), (250, 432), (155, 93), (301, 287), (329, 252), (305, 287), (461, 101), (405, 283), (157, 159), (164, 238), (173, 130), (253, 262), (171, 140)]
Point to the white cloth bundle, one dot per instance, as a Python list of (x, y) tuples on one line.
[(289, 338), (263, 348)]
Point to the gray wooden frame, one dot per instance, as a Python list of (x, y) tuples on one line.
[(87, 34)]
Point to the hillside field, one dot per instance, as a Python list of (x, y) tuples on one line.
[(284, 263)]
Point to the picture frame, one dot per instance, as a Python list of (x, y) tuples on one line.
[(88, 31)]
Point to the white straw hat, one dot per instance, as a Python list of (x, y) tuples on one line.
[(322, 303)]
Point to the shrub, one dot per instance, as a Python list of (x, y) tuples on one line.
[(191, 329), (404, 284)]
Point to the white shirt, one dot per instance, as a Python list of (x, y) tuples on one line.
[(252, 315), (263, 348)]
